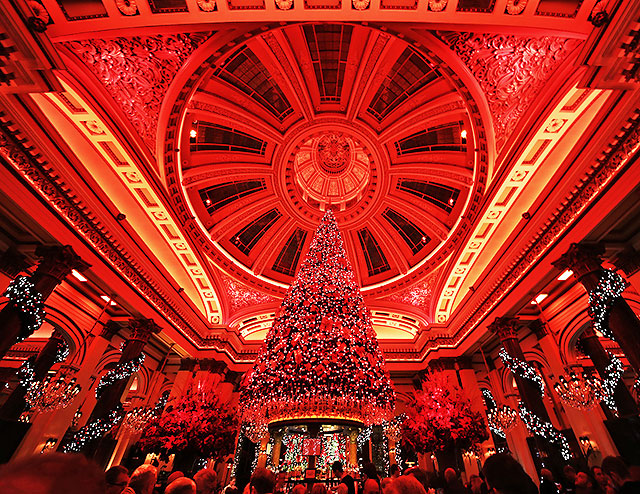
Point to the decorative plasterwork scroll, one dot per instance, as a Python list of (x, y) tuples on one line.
[(140, 188), (419, 295), (241, 295), (505, 196), (512, 70), (137, 71)]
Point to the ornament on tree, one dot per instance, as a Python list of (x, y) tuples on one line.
[(321, 357)]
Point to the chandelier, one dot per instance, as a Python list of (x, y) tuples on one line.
[(579, 391), (137, 418), (502, 418), (52, 393)]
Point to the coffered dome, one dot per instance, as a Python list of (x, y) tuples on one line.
[(290, 122)]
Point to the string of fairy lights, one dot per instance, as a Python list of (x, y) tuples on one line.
[(93, 431), (22, 294), (610, 287), (535, 424), (120, 372)]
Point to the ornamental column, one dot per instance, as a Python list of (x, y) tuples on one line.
[(516, 437), (55, 424), (469, 384), (583, 422), (18, 319), (183, 378), (585, 262), (506, 330), (141, 331), (48, 356), (601, 359)]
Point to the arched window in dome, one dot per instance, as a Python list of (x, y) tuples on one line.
[(413, 236), (248, 237), (373, 255), (442, 196)]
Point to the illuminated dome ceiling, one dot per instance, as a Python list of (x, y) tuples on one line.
[(290, 122)]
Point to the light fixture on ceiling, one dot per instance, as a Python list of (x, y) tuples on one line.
[(540, 297), (566, 274), (108, 299), (463, 136), (77, 275), (193, 133)]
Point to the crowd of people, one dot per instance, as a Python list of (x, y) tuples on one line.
[(501, 474)]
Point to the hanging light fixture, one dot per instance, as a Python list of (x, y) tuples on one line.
[(579, 391), (137, 418), (52, 393), (502, 418)]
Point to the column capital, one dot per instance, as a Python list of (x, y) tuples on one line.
[(582, 259), (505, 327), (58, 261), (539, 328), (13, 262), (187, 364), (465, 362), (110, 329), (212, 365), (628, 260), (142, 329), (442, 364)]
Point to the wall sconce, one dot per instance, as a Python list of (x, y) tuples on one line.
[(49, 445)]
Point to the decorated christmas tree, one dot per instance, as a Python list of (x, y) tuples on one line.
[(321, 358)]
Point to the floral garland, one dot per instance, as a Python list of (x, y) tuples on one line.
[(22, 293), (522, 369), (120, 372), (613, 374), (545, 430), (95, 430), (602, 298)]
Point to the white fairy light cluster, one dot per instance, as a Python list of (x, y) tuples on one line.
[(609, 289), (613, 374), (22, 293), (26, 373), (123, 371), (545, 430), (95, 430), (522, 369)]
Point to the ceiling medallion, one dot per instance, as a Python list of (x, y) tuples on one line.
[(207, 5), (127, 7), (284, 4), (438, 5), (334, 153), (516, 7), (331, 169), (361, 4)]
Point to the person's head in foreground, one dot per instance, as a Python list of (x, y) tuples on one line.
[(407, 484), (117, 479), (181, 485), (262, 481), (52, 473), (205, 480), (506, 476), (143, 479)]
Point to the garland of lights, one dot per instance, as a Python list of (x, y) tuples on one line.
[(62, 352), (545, 430), (22, 293), (364, 436), (613, 374), (26, 373), (119, 373), (601, 299), (490, 402), (522, 369), (92, 431)]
